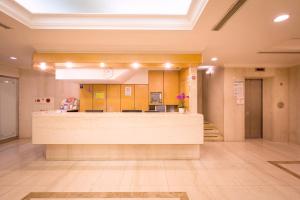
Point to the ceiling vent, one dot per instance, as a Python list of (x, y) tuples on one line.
[(234, 8), (4, 26), (279, 52)]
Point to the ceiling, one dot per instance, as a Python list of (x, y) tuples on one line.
[(249, 31), (144, 7), (105, 14)]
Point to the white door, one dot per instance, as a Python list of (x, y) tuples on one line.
[(8, 108)]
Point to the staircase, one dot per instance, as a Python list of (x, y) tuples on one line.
[(211, 133)]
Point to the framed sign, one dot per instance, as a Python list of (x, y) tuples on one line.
[(127, 91)]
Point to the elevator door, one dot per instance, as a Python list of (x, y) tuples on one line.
[(253, 108)]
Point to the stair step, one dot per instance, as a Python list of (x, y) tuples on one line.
[(212, 131)]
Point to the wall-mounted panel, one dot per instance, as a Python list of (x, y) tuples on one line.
[(141, 97), (127, 97), (99, 97), (86, 97), (113, 99)]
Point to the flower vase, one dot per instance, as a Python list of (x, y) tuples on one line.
[(181, 110)]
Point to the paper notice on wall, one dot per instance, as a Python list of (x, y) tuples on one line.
[(99, 95), (127, 91), (238, 92)]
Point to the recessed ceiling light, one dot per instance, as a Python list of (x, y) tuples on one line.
[(102, 65), (168, 65), (135, 65), (214, 59), (6, 81), (69, 64), (281, 18), (43, 66), (13, 58)]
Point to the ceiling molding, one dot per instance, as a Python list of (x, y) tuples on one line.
[(279, 52), (104, 21)]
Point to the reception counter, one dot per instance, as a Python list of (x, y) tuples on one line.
[(110, 136)]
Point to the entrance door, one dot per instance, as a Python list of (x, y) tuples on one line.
[(8, 108), (253, 108)]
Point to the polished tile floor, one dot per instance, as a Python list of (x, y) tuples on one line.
[(229, 170)]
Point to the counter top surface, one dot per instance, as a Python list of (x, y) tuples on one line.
[(112, 114)]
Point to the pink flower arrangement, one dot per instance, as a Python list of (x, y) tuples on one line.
[(181, 97)]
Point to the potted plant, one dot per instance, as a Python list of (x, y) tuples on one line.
[(181, 97)]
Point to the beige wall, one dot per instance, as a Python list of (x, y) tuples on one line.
[(8, 71), (199, 92), (213, 98), (234, 114), (294, 102), (37, 84)]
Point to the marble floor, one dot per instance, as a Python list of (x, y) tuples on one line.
[(226, 170)]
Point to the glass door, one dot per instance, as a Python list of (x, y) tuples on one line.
[(8, 108)]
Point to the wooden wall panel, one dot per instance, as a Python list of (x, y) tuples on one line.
[(113, 100), (127, 102), (99, 97), (171, 87), (86, 97), (141, 97)]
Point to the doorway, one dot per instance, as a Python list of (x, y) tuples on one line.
[(253, 108), (8, 108)]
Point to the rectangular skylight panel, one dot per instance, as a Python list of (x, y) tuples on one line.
[(126, 7)]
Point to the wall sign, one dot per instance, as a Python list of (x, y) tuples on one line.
[(238, 92), (99, 95), (128, 91)]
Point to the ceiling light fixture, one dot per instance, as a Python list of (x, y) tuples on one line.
[(13, 58), (205, 67), (43, 66), (281, 18), (214, 59), (168, 65), (6, 81), (210, 71), (69, 64), (135, 65), (102, 65)]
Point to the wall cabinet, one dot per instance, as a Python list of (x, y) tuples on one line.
[(141, 97), (171, 87), (86, 97), (99, 97), (113, 99), (156, 82), (127, 97)]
